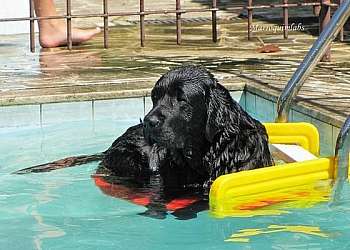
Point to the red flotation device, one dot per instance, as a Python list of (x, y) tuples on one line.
[(140, 198)]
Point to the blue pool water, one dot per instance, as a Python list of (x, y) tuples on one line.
[(64, 209)]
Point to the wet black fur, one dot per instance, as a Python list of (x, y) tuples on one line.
[(194, 133)]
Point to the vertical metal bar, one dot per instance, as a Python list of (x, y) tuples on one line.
[(69, 24), (32, 27), (178, 22), (105, 24), (142, 23), (285, 19), (342, 150), (341, 32), (250, 19), (342, 162), (325, 17), (310, 61), (213, 22)]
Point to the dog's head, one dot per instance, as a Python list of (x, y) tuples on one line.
[(196, 120), (180, 107)]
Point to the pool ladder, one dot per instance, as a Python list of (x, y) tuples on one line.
[(303, 72)]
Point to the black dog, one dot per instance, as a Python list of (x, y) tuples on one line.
[(194, 133), (204, 131)]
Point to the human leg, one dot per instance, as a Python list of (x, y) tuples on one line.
[(53, 32)]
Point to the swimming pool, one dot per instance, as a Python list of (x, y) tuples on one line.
[(66, 210)]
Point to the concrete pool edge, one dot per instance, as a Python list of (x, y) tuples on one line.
[(128, 88), (131, 88), (301, 105)]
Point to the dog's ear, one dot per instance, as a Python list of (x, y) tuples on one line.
[(220, 114)]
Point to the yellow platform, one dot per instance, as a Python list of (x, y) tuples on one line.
[(270, 190)]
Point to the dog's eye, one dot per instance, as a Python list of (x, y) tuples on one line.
[(154, 98), (181, 99), (156, 94)]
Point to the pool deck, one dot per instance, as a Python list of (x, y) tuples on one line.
[(89, 72)]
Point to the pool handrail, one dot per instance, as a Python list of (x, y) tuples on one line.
[(310, 61), (342, 149)]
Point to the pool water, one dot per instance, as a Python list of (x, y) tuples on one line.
[(64, 209)]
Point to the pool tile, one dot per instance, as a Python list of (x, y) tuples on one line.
[(250, 104), (236, 95), (242, 101), (326, 137), (63, 112), (300, 117), (148, 104), (20, 116), (290, 115), (119, 109), (265, 109), (335, 132)]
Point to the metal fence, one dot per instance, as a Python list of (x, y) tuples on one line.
[(321, 8)]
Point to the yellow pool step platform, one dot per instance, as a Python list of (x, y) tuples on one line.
[(302, 180)]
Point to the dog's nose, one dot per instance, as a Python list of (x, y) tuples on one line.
[(152, 121)]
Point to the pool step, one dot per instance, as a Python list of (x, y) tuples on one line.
[(290, 153)]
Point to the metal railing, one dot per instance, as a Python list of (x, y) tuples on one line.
[(341, 158), (342, 149), (304, 70), (314, 55), (324, 5)]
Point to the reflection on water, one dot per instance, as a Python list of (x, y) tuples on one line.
[(45, 231), (244, 234), (181, 203), (57, 62)]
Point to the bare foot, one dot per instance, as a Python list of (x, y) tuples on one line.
[(53, 33)]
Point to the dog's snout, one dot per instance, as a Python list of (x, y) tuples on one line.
[(152, 121)]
